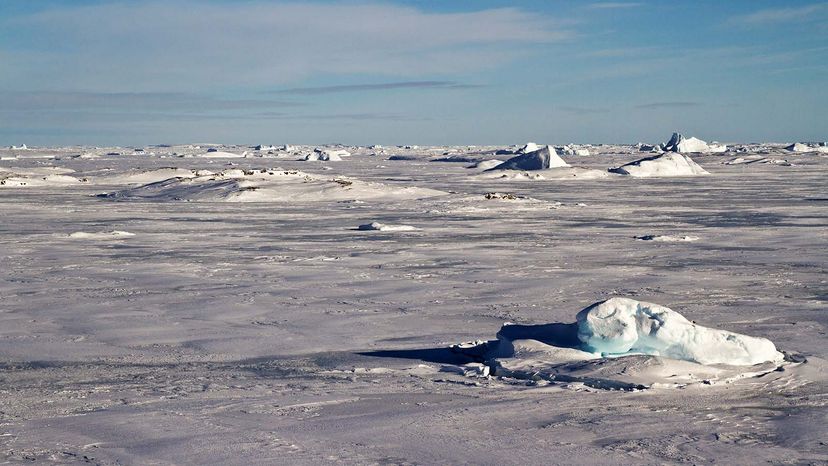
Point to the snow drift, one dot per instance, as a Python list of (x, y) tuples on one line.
[(668, 164), (265, 185), (541, 159)]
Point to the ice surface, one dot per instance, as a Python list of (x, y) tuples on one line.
[(273, 332), (541, 159), (668, 164), (621, 326)]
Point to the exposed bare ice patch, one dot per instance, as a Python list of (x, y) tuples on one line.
[(101, 235)]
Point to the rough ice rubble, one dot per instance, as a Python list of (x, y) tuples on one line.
[(540, 159), (800, 147), (678, 143), (620, 326), (332, 155), (571, 149), (667, 164)]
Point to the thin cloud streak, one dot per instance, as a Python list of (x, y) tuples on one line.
[(613, 5), (451, 85), (153, 101), (658, 105), (258, 44), (783, 15)]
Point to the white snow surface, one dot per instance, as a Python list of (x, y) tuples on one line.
[(273, 332), (664, 165), (220, 154), (620, 326)]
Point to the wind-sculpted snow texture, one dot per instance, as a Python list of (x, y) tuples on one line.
[(168, 306)]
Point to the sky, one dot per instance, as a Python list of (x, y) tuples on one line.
[(434, 72)]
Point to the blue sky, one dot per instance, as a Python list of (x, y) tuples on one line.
[(411, 72)]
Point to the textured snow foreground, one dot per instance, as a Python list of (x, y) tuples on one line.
[(196, 304)]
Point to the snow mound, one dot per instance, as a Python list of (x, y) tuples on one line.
[(625, 344), (668, 238), (376, 226), (103, 235), (274, 185), (486, 164), (668, 164), (679, 143), (36, 177), (149, 176), (620, 326), (218, 154), (541, 159)]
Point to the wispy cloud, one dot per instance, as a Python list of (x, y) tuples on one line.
[(141, 101), (583, 110), (364, 116), (377, 87), (185, 45), (613, 5), (812, 12), (658, 105)]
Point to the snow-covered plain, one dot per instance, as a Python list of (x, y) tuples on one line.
[(173, 305)]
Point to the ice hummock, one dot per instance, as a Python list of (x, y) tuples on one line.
[(667, 164), (541, 159), (621, 326), (678, 143), (622, 343)]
